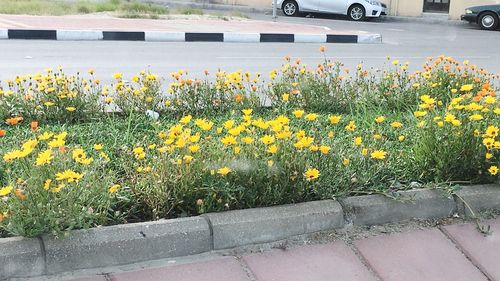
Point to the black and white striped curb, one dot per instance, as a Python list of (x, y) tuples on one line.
[(160, 36)]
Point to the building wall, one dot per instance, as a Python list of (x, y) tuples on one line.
[(457, 7), (407, 8)]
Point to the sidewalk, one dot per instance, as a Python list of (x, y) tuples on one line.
[(453, 252), (84, 27)]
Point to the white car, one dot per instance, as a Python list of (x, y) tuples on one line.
[(356, 10)]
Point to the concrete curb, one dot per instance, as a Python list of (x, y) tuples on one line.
[(160, 36), (130, 243), (413, 204), (243, 227), (20, 257)]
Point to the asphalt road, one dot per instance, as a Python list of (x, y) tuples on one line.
[(411, 42)]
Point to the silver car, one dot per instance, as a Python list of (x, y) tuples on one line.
[(356, 10)]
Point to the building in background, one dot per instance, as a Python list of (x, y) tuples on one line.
[(412, 8), (416, 8)]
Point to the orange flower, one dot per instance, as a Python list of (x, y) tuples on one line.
[(19, 193), (238, 98), (34, 126), (62, 149), (14, 120), (322, 49), (2, 133)]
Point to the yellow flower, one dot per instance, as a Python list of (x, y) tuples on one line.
[(395, 62), (58, 188), (45, 136), (466, 88), (272, 149), (49, 104), (298, 113), (224, 171), (267, 139), (491, 132), (6, 190), (378, 154), (346, 161), (247, 140), (98, 146), (187, 159), (229, 124), (324, 149), (285, 97), (194, 148), (377, 136), (44, 157), (311, 174), (420, 113), (493, 170), (237, 150), (228, 140), (247, 111), (335, 119), (449, 118), (311, 116), (303, 142), (70, 108), (364, 151), (313, 148), (118, 76), (69, 175), (489, 100), (351, 126), (114, 188), (488, 156), (380, 119), (401, 138), (46, 184), (456, 123), (396, 124), (186, 119), (497, 110), (488, 142), (358, 141), (475, 117)]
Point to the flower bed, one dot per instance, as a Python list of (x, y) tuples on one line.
[(77, 153)]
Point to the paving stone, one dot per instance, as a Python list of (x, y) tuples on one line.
[(418, 255), (313, 263), (484, 251), (221, 269)]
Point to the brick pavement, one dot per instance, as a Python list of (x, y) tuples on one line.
[(454, 252)]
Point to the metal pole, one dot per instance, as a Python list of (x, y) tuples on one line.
[(275, 8)]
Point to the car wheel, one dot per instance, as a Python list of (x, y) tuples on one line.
[(356, 13), (488, 21), (290, 8)]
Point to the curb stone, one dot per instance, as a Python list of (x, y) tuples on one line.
[(479, 198), (20, 257), (124, 244), (159, 36), (250, 226), (379, 209)]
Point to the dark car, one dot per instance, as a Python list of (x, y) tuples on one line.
[(487, 16)]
